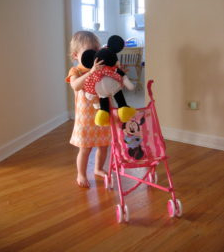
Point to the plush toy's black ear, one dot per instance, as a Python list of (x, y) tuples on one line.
[(87, 58), (115, 43)]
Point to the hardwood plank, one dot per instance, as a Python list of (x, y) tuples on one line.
[(42, 208)]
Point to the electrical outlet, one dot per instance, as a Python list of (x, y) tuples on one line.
[(193, 105)]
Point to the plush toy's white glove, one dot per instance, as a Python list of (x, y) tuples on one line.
[(89, 96), (96, 105), (127, 83)]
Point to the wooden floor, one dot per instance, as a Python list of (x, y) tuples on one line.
[(42, 209)]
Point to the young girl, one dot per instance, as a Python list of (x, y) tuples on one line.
[(85, 133)]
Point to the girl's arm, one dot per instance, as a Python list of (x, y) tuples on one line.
[(77, 83)]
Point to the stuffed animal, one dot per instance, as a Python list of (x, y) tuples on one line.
[(108, 81)]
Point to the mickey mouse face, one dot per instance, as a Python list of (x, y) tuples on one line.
[(114, 45)]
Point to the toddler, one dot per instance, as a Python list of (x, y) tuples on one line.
[(85, 133)]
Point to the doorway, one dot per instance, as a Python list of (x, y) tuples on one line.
[(121, 17)]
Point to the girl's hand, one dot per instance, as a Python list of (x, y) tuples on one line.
[(122, 67), (96, 65), (118, 64)]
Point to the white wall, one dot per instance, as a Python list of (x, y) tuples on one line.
[(76, 15), (185, 56), (32, 52), (110, 16)]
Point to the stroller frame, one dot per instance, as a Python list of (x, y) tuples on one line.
[(150, 178)]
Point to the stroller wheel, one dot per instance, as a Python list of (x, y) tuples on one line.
[(179, 209), (153, 178), (126, 213), (119, 213), (171, 208)]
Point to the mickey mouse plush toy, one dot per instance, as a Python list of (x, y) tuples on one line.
[(108, 81)]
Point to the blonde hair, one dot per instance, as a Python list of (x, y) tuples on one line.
[(81, 38)]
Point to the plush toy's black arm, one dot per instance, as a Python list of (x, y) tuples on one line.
[(120, 72), (119, 97), (104, 104)]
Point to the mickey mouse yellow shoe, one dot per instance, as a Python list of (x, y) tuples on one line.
[(102, 118), (126, 113)]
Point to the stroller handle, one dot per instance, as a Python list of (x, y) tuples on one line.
[(149, 87)]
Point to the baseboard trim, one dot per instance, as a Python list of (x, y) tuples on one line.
[(189, 137), (23, 140), (71, 114), (183, 136)]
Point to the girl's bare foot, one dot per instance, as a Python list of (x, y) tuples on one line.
[(82, 181), (100, 173)]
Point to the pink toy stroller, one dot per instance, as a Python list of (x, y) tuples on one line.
[(139, 143)]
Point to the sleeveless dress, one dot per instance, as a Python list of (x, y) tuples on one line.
[(85, 132)]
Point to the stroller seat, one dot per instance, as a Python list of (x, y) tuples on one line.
[(139, 141)]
